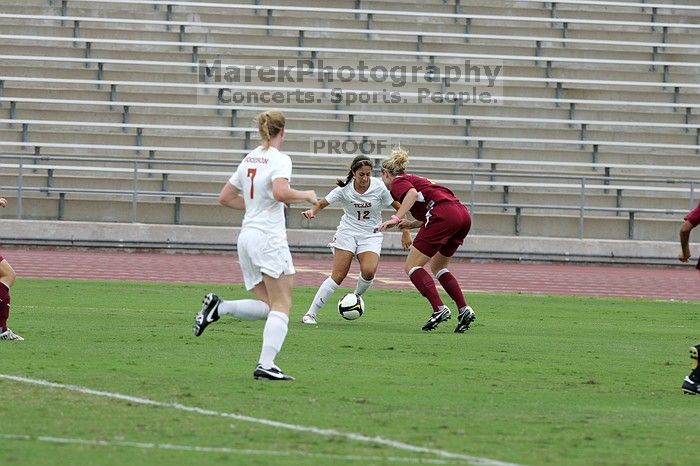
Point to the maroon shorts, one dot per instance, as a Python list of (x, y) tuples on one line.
[(446, 226), (1, 258)]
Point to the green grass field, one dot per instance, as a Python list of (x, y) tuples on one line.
[(538, 380)]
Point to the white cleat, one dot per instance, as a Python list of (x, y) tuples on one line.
[(309, 319), (10, 335)]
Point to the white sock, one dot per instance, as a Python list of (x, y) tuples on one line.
[(325, 291), (362, 285), (245, 309), (274, 333)]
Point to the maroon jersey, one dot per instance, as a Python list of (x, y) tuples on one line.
[(429, 193), (694, 216)]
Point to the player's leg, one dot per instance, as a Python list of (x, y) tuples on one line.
[(279, 291), (438, 265), (245, 309), (420, 278), (368, 250), (369, 261), (275, 265), (425, 285), (342, 259), (7, 279), (214, 307), (455, 222)]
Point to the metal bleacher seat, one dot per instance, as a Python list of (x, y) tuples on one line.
[(588, 94)]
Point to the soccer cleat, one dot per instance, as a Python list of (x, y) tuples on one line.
[(309, 319), (691, 384), (438, 316), (465, 319), (10, 335), (208, 314), (689, 387), (273, 373)]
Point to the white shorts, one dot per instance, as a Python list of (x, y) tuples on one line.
[(357, 244), (260, 253)]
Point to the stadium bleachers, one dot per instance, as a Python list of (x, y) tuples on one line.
[(594, 134)]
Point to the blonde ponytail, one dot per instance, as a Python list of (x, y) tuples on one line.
[(270, 124), (397, 161)]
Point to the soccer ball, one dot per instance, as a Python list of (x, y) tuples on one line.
[(351, 306)]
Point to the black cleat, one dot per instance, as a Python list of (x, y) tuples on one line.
[(465, 319), (691, 384), (208, 314), (689, 387), (438, 316), (272, 373)]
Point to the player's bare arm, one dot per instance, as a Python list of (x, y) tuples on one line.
[(231, 197), (408, 201), (282, 192), (409, 224), (406, 239), (316, 208), (3, 202), (684, 256)]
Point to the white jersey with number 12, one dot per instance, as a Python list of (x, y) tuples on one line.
[(362, 212)]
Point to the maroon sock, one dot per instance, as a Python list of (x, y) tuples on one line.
[(426, 286), (451, 286), (4, 306)]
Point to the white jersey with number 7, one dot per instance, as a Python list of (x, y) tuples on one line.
[(253, 178)]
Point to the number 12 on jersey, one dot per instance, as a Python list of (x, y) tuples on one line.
[(363, 214)]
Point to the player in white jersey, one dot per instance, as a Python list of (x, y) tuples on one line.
[(362, 198), (260, 186)]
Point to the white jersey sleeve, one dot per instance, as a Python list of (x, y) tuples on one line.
[(281, 167), (235, 179), (335, 195), (386, 198)]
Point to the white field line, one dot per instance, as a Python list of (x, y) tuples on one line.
[(475, 460), (232, 451)]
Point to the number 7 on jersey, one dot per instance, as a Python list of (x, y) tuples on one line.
[(251, 175)]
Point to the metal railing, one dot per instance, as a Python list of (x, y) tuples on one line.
[(136, 170), (379, 54), (182, 25), (248, 133), (373, 13)]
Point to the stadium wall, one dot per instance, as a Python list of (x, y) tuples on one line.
[(222, 239)]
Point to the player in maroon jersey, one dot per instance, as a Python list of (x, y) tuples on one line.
[(691, 384), (444, 222), (7, 279), (691, 221)]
